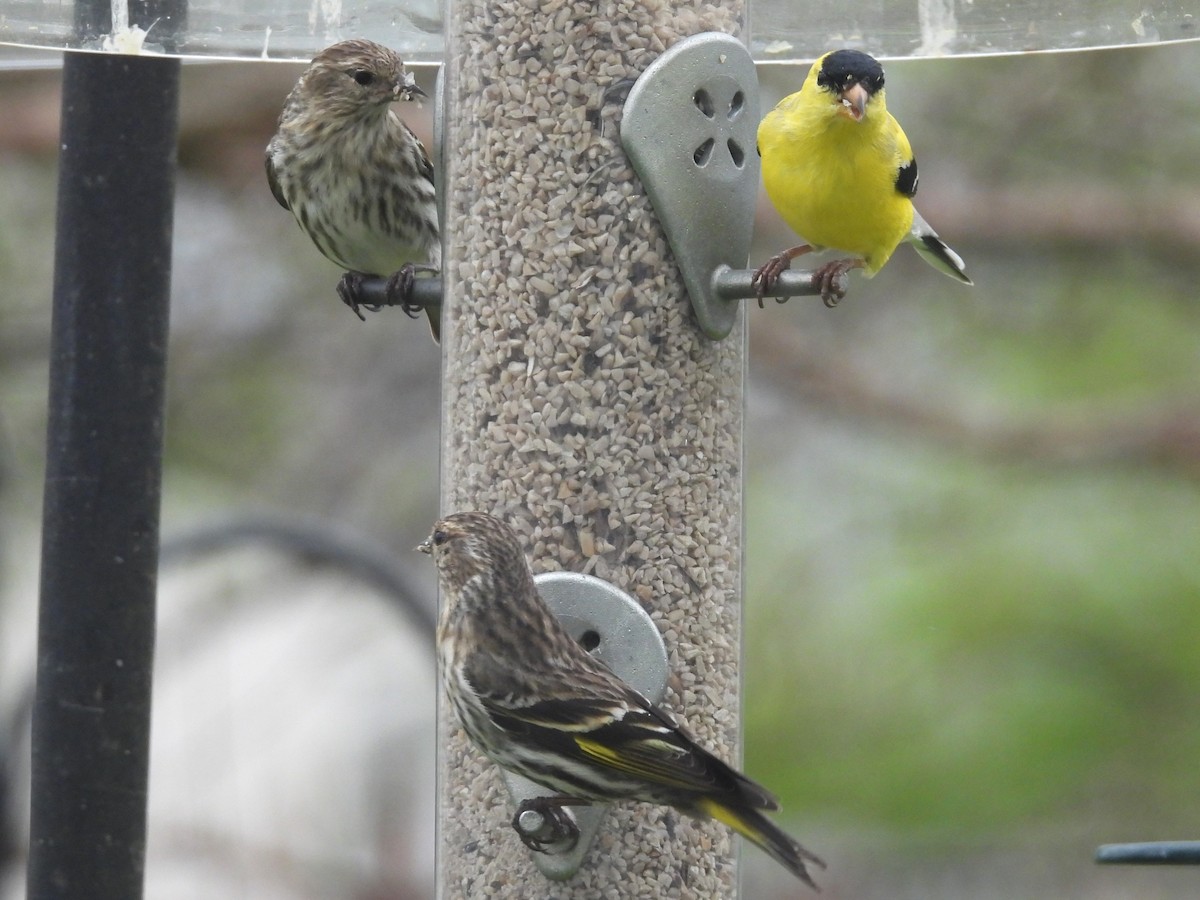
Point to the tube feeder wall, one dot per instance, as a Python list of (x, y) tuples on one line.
[(583, 405)]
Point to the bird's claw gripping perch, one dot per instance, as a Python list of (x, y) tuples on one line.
[(768, 273), (349, 291), (400, 289), (397, 290), (830, 278), (544, 825)]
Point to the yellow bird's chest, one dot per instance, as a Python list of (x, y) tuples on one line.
[(835, 186)]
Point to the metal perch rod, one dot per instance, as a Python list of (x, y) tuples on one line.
[(730, 284)]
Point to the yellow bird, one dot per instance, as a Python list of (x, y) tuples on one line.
[(839, 169)]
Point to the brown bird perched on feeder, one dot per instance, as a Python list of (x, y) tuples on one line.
[(356, 178), (536, 703)]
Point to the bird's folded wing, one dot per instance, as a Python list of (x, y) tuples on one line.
[(935, 251), (276, 187), (637, 740)]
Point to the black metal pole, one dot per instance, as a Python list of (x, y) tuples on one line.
[(91, 718)]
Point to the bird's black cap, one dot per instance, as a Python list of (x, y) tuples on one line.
[(843, 68)]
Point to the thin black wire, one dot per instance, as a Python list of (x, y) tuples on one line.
[(310, 539), (316, 541)]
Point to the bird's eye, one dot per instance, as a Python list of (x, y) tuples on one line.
[(440, 537), (363, 77)]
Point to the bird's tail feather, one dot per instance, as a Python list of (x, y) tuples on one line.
[(758, 829), (935, 252)]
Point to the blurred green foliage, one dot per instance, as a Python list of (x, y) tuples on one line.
[(960, 639)]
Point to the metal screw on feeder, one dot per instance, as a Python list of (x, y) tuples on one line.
[(536, 826)]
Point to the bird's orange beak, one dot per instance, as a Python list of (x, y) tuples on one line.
[(854, 101)]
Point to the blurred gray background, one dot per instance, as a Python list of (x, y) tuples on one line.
[(973, 591)]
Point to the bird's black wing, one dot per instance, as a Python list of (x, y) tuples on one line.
[(633, 737), (906, 178)]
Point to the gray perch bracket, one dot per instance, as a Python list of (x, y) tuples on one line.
[(617, 631), (689, 128), (1151, 853)]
